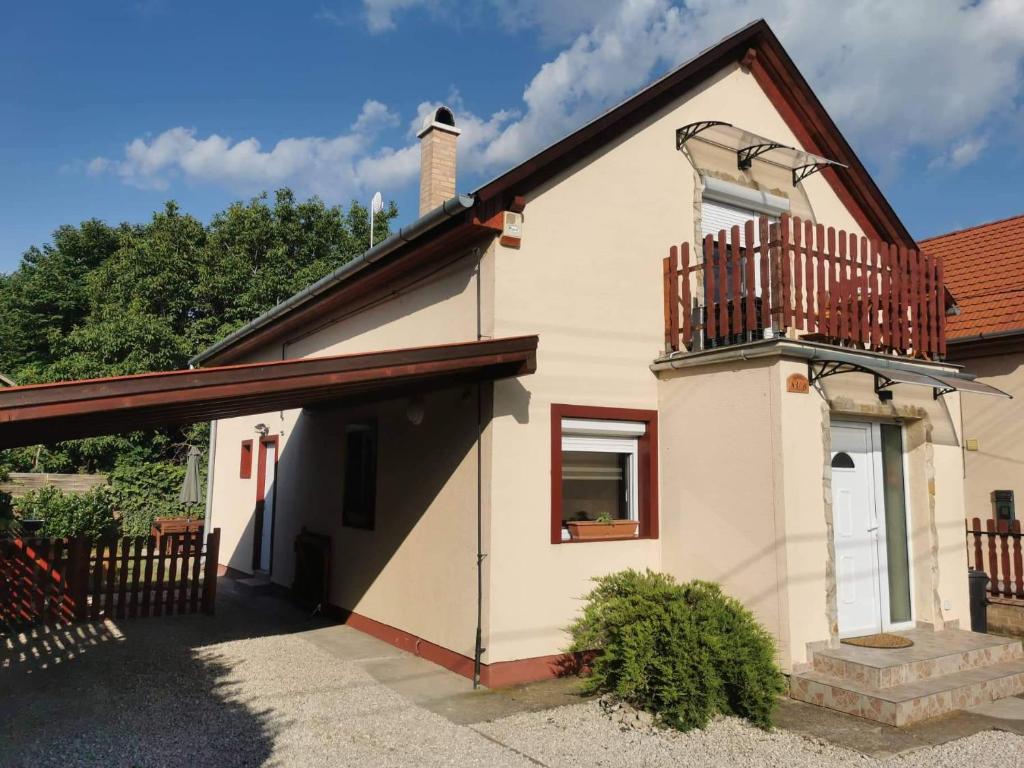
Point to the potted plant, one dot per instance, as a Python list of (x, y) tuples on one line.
[(605, 527)]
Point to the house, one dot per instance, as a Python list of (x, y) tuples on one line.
[(697, 315), (985, 271)]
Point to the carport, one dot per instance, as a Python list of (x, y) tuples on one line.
[(44, 413), (66, 410)]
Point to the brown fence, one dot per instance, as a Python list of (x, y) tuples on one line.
[(996, 550), (793, 274), (67, 580)]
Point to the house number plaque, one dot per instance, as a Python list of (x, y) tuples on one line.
[(797, 382)]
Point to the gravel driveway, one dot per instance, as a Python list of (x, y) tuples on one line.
[(188, 692)]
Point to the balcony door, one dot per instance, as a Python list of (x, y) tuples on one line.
[(869, 515), (716, 216)]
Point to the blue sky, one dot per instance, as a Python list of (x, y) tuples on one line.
[(107, 109)]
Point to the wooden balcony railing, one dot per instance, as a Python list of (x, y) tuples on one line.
[(769, 277), (989, 550)]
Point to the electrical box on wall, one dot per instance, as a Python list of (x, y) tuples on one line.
[(1002, 506), (511, 229)]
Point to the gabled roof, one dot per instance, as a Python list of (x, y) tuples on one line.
[(984, 269), (755, 47)]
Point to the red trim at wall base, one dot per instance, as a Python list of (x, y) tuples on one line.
[(497, 675)]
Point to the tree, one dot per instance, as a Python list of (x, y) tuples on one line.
[(108, 301)]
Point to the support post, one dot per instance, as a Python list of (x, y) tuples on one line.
[(78, 578), (210, 571)]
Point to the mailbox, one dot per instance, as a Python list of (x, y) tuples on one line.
[(1002, 506)]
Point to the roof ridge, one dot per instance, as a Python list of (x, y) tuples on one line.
[(973, 227)]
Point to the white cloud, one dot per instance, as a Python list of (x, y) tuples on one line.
[(961, 154), (895, 75), (557, 21), (916, 73), (380, 13), (97, 166), (333, 167), (929, 75)]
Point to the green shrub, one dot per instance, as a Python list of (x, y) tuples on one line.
[(145, 491), (69, 514), (683, 652)]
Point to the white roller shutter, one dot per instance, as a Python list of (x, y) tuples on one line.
[(715, 216)]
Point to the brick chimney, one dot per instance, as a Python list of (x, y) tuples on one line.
[(437, 158)]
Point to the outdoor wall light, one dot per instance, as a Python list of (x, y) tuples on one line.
[(262, 429), (414, 411)]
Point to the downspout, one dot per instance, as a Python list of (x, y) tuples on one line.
[(211, 455), (210, 461), (478, 645)]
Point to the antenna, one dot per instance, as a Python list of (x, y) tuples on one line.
[(376, 206)]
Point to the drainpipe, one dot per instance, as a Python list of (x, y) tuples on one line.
[(211, 455), (210, 460), (478, 648)]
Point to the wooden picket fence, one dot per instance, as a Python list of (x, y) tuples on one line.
[(995, 548), (824, 283), (69, 580)]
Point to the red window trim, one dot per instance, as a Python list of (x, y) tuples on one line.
[(245, 467), (647, 459)]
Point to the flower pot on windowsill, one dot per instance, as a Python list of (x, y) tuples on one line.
[(592, 530)]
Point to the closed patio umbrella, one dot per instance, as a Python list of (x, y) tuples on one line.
[(190, 486)]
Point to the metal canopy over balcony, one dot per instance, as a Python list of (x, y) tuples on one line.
[(749, 146)]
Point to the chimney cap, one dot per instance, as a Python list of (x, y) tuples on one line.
[(443, 118)]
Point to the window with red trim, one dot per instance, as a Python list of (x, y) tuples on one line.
[(245, 467), (604, 475)]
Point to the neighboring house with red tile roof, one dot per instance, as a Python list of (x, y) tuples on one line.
[(984, 269), (985, 273)]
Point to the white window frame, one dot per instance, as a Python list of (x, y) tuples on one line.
[(606, 436)]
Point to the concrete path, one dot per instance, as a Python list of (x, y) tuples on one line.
[(263, 684)]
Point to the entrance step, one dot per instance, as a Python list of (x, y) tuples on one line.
[(258, 583), (933, 654), (942, 672)]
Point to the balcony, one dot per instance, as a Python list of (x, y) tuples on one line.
[(803, 280)]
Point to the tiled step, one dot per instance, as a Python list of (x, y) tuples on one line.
[(932, 655), (910, 702)]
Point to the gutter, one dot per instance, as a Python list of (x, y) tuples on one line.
[(985, 336), (803, 350), (407, 234)]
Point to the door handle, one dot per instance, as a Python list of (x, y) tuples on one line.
[(872, 529)]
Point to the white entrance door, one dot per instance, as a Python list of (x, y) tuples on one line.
[(268, 472), (855, 522)]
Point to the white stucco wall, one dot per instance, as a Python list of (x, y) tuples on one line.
[(417, 570)]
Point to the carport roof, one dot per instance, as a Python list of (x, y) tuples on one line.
[(49, 412)]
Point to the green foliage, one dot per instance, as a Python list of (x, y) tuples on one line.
[(70, 514), (681, 651), (107, 301), (6, 512), (144, 491)]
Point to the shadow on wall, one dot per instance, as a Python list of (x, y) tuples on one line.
[(139, 692), (426, 490)]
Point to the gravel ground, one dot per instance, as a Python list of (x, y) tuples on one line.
[(162, 698), (586, 735)]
